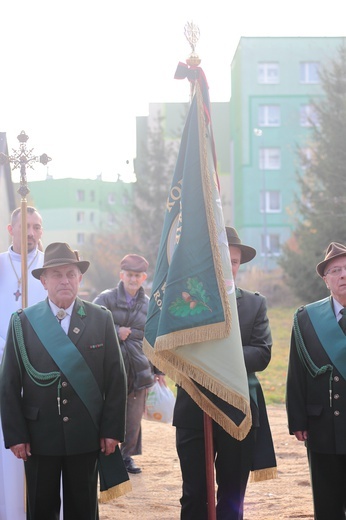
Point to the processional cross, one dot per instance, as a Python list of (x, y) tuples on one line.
[(23, 158)]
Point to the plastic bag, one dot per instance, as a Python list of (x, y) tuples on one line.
[(159, 404)]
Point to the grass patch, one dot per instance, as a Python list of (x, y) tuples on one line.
[(273, 379)]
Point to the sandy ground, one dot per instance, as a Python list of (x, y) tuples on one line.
[(156, 491)]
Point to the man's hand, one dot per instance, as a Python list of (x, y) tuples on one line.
[(108, 445), (160, 378), (21, 451), (301, 435), (124, 332)]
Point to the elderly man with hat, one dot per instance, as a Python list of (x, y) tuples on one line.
[(316, 386), (233, 459), (128, 304), (63, 393)]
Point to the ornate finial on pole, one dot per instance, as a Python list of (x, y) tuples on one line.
[(191, 32), (22, 159)]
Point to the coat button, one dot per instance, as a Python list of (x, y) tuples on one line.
[(64, 384), (65, 401), (66, 419), (336, 396), (336, 413), (336, 378)]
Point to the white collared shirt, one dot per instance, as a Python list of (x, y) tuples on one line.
[(337, 308)]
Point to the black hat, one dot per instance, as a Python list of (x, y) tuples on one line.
[(333, 251), (247, 252), (58, 254)]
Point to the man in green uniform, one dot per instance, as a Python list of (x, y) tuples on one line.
[(316, 387), (63, 392)]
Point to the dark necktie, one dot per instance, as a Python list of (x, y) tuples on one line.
[(342, 320)]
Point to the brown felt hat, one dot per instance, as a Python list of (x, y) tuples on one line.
[(333, 251), (58, 254), (135, 263), (247, 252)]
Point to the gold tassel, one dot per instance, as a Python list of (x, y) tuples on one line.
[(115, 492), (263, 474)]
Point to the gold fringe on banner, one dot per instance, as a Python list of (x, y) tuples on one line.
[(193, 335), (206, 166), (263, 474), (181, 372), (115, 492)]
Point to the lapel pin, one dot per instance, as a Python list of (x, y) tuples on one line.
[(76, 330)]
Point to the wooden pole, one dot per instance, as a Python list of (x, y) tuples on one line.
[(24, 252), (209, 465)]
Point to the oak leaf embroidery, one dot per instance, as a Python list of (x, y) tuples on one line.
[(191, 302)]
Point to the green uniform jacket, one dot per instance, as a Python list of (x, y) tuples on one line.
[(316, 404), (30, 413)]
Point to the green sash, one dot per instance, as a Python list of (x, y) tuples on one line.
[(68, 358), (329, 333)]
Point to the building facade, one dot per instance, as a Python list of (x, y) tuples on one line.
[(7, 196), (77, 210), (274, 81)]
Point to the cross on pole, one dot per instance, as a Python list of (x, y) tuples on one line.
[(23, 158)]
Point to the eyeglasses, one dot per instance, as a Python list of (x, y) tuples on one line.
[(335, 271)]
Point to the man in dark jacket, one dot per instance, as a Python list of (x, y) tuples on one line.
[(128, 304), (316, 387), (233, 459), (63, 391)]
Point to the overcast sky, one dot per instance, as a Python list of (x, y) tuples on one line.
[(75, 73)]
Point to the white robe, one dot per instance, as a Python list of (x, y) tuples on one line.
[(12, 505)]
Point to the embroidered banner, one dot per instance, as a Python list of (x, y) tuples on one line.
[(192, 330)]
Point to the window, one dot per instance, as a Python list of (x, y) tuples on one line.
[(270, 245), (306, 157), (269, 159), (270, 202), (92, 216), (269, 115), (268, 72), (80, 238), (111, 219), (308, 116), (80, 195), (126, 198), (80, 216), (92, 196), (111, 198), (309, 72)]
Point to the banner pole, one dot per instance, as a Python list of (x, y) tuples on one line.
[(209, 465)]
